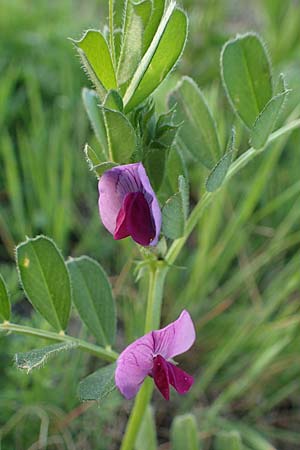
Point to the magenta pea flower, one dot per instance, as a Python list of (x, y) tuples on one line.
[(151, 355), (128, 205)]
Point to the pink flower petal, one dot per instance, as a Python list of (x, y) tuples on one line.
[(175, 338), (133, 365)]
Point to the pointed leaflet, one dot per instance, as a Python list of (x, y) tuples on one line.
[(45, 279), (92, 296), (219, 172), (136, 19), (184, 433), (113, 101), (98, 385), (161, 56), (198, 130), (266, 120), (246, 73), (4, 301), (91, 104), (96, 58), (120, 136), (35, 359)]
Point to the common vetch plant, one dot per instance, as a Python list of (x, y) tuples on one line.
[(142, 158)]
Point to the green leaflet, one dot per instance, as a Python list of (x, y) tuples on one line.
[(120, 136), (98, 385), (92, 296), (162, 54), (158, 7), (45, 279), (35, 359), (219, 172), (175, 211), (198, 130), (96, 58), (91, 104), (4, 300), (266, 121), (246, 74)]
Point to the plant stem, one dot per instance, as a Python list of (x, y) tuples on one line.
[(137, 413), (111, 31), (103, 353), (157, 277)]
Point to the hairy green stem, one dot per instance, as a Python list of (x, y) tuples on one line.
[(104, 353)]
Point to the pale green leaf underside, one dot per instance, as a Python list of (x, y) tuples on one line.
[(198, 130), (246, 74), (98, 385), (45, 279), (35, 359), (92, 296), (4, 300)]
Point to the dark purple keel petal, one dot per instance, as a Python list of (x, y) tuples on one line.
[(180, 380), (161, 376), (134, 219)]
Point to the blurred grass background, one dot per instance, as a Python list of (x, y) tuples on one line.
[(240, 269)]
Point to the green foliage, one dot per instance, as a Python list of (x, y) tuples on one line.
[(92, 296), (91, 103), (4, 300), (162, 54), (265, 122), (246, 74), (184, 433), (219, 172), (45, 279), (175, 211), (120, 136), (198, 134), (98, 385), (95, 55), (35, 359)]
